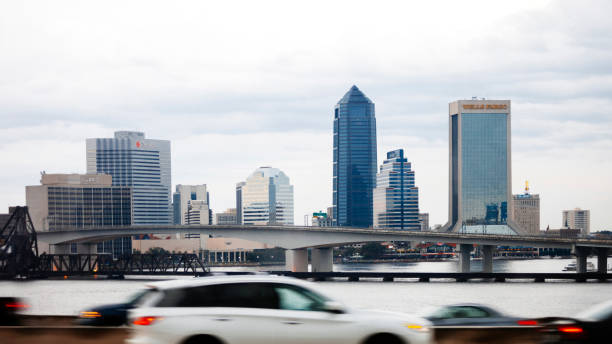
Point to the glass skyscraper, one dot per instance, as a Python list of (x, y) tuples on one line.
[(354, 175), (140, 163), (266, 198), (396, 198), (480, 198)]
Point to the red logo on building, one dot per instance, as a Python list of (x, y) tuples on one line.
[(137, 144)]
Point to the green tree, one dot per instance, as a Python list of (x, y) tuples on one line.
[(157, 251), (372, 250)]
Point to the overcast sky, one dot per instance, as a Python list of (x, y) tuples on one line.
[(238, 85)]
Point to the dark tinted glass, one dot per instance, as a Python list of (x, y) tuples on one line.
[(242, 295)]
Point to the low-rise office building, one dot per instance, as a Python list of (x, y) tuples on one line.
[(78, 201)]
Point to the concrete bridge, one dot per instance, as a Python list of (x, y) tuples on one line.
[(298, 239)]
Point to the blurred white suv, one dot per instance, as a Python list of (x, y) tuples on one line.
[(258, 309)]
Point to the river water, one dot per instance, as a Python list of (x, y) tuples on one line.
[(520, 298)]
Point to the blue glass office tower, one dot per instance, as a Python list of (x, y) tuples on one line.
[(480, 197), (396, 198), (354, 160)]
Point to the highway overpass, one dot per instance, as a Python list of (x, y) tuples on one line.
[(298, 239)]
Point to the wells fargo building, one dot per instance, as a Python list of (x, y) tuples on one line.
[(480, 168)]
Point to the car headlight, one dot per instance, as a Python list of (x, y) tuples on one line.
[(416, 327)]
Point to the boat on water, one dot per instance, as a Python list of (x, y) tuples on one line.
[(572, 267)]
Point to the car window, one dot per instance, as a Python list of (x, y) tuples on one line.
[(469, 312), (295, 298), (242, 295), (460, 312), (138, 298)]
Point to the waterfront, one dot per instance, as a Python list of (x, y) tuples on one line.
[(528, 299)]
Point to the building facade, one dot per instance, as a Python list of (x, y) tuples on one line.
[(354, 167), (190, 203), (239, 202), (527, 212), (320, 219), (228, 217), (267, 198), (396, 198), (78, 201), (139, 163), (480, 197), (577, 219), (424, 221)]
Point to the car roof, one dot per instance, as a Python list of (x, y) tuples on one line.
[(223, 279)]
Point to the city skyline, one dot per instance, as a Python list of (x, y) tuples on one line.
[(221, 107)]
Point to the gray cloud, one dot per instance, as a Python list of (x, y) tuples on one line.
[(235, 89)]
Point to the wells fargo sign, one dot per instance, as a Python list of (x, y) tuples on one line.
[(485, 106)]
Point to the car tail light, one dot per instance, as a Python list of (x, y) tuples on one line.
[(16, 305), (146, 321), (570, 329), (527, 322)]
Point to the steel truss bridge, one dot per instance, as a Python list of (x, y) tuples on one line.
[(134, 264), (19, 257)]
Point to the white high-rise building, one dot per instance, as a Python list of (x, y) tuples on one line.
[(267, 198), (577, 219), (191, 205), (140, 163)]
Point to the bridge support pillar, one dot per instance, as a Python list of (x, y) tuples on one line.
[(322, 259), (581, 258), (602, 259), (465, 251), (487, 258), (296, 260)]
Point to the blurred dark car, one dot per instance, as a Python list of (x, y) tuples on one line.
[(593, 325), (110, 315), (10, 307), (470, 314)]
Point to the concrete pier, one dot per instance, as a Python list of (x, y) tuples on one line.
[(296, 260), (602, 259), (465, 251), (487, 258), (581, 258), (322, 259)]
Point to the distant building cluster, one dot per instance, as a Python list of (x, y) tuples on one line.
[(128, 182)]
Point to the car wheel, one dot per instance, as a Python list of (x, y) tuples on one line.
[(202, 339), (384, 338)]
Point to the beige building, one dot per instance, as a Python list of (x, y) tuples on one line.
[(197, 245), (577, 219), (227, 217), (527, 212), (77, 201)]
